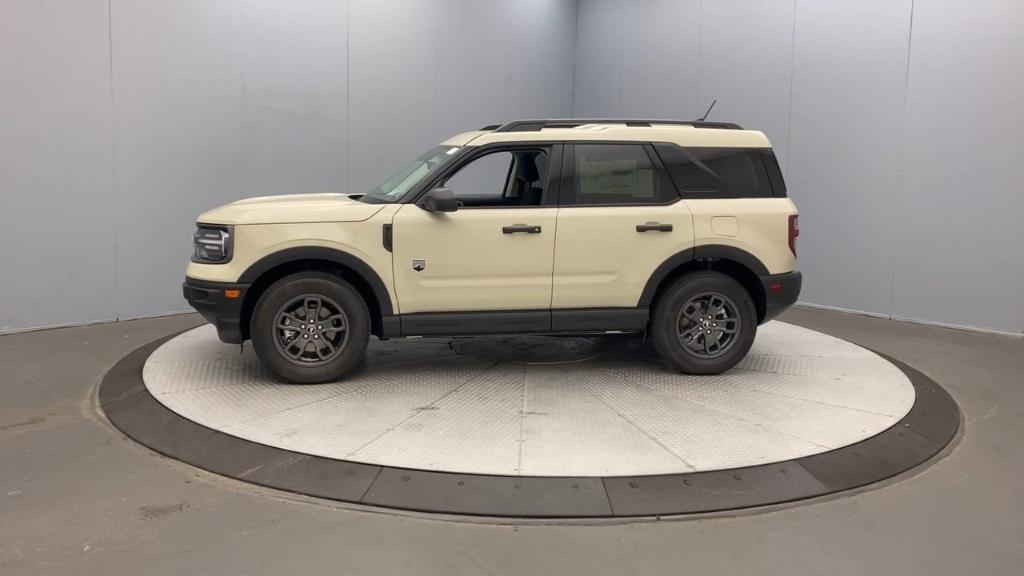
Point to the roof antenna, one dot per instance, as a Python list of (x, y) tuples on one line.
[(713, 102)]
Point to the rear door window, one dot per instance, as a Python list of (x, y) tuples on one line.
[(617, 174)]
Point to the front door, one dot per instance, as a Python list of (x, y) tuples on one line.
[(495, 253)]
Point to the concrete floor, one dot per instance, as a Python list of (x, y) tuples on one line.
[(76, 497)]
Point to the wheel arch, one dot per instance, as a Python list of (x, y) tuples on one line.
[(264, 272), (734, 262)]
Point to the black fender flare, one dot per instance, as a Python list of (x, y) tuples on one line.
[(271, 261), (698, 253)]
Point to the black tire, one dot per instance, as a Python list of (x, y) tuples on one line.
[(291, 300), (697, 342)]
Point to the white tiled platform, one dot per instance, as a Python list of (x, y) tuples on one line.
[(422, 404)]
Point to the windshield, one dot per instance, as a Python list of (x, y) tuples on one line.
[(396, 186)]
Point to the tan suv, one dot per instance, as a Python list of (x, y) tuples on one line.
[(679, 230)]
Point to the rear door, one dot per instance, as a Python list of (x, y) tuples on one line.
[(619, 218)]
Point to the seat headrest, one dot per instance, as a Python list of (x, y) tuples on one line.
[(527, 168)]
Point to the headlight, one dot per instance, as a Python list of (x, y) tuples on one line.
[(212, 244)]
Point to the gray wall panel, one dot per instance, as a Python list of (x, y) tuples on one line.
[(216, 100), (56, 206), (420, 71), (904, 176), (295, 97), (598, 67), (393, 64), (178, 122), (746, 51), (501, 60), (540, 51), (849, 82), (660, 58), (637, 58), (960, 252), (473, 66)]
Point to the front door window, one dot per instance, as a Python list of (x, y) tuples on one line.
[(502, 179)]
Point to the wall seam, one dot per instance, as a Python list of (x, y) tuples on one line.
[(436, 55), (626, 35), (792, 76), (113, 158), (241, 99), (572, 69), (901, 180), (348, 96), (509, 72), (700, 40)]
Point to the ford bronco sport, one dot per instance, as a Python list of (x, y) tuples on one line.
[(679, 230)]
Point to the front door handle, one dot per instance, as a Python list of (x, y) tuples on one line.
[(653, 227), (526, 228)]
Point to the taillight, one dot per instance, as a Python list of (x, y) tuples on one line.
[(794, 231)]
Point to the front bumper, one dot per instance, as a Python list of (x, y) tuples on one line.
[(210, 300), (781, 291)]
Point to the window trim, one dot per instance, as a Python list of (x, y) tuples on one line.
[(774, 170), (551, 192), (568, 187)]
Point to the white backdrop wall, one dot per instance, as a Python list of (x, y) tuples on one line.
[(121, 120), (898, 123)]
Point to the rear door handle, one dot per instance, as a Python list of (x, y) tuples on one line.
[(653, 227), (526, 228)]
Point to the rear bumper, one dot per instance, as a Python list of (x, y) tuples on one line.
[(781, 291), (208, 298)]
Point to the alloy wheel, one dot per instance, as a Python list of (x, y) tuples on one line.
[(708, 325), (310, 330)]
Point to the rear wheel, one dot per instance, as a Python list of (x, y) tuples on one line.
[(310, 327), (704, 323)]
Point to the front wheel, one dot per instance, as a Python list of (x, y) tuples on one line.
[(310, 327), (704, 323)]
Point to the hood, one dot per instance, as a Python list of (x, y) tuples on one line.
[(291, 209)]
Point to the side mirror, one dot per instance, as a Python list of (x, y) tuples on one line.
[(439, 200)]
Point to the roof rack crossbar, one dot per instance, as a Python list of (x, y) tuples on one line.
[(539, 124)]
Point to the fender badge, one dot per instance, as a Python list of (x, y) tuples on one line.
[(419, 265)]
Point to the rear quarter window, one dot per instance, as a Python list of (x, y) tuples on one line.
[(719, 172)]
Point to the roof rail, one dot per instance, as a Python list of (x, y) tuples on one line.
[(491, 127), (535, 125)]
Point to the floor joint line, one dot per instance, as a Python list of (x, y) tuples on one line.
[(417, 413), (638, 428)]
